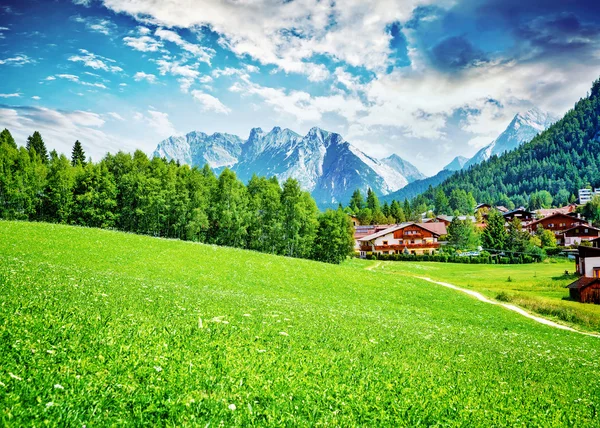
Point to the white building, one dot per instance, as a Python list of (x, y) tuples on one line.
[(586, 195)]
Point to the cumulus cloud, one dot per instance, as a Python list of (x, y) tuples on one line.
[(115, 116), (13, 95), (140, 75), (287, 34), (210, 103), (35, 97), (143, 43)]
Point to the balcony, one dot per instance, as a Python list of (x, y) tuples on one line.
[(423, 245)]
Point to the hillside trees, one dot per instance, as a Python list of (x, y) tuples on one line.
[(35, 143), (77, 155), (136, 194), (462, 234), (333, 241), (494, 236)]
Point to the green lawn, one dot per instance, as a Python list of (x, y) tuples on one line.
[(105, 328), (539, 287)]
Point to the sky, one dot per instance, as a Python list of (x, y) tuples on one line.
[(427, 80)]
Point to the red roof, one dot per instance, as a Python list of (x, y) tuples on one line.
[(583, 282), (562, 210)]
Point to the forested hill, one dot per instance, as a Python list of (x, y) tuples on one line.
[(561, 160)]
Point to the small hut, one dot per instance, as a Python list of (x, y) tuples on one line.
[(585, 290)]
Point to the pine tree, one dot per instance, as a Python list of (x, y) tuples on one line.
[(462, 234), (77, 155), (357, 202), (494, 236), (372, 201), (6, 137), (36, 143)]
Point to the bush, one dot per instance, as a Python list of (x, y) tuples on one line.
[(503, 296)]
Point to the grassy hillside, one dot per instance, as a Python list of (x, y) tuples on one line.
[(538, 287), (100, 328)]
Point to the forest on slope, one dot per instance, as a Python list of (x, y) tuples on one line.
[(560, 160)]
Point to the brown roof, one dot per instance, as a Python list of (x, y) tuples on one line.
[(560, 215), (438, 228), (562, 210), (588, 251), (583, 282)]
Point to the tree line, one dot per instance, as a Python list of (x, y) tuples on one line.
[(134, 193)]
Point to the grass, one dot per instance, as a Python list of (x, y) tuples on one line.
[(104, 328), (538, 287)]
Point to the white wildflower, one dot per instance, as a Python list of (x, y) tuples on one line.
[(49, 404), (14, 376), (262, 350), (158, 368), (58, 386), (283, 333), (232, 406)]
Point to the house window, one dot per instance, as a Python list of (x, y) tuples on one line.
[(596, 272), (385, 242), (412, 241), (551, 225), (386, 252), (586, 230), (563, 224)]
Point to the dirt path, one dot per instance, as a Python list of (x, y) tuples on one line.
[(514, 308), (373, 266)]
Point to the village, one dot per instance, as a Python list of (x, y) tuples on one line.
[(575, 236)]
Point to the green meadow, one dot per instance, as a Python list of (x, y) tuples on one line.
[(538, 287), (102, 328)]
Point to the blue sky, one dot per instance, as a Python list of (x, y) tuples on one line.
[(426, 80)]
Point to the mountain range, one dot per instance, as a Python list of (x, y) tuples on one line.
[(323, 162), (328, 166)]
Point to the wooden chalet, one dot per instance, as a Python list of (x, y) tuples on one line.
[(558, 223), (407, 238), (578, 234), (587, 288), (521, 213)]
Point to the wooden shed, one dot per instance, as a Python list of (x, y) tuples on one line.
[(585, 290)]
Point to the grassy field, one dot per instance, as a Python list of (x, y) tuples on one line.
[(538, 287), (104, 328)]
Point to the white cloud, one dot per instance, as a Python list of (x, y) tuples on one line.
[(143, 43), (98, 25), (353, 31), (85, 3), (75, 79), (17, 61), (14, 95), (158, 121), (60, 129), (115, 116), (210, 103), (203, 54), (96, 62), (123, 84), (50, 78), (177, 69), (140, 75), (35, 97)]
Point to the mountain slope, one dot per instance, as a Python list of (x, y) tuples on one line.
[(323, 162), (417, 187), (407, 169), (561, 160), (457, 164), (197, 148), (521, 129)]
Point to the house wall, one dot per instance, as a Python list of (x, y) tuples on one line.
[(587, 265), (413, 238), (590, 294)]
